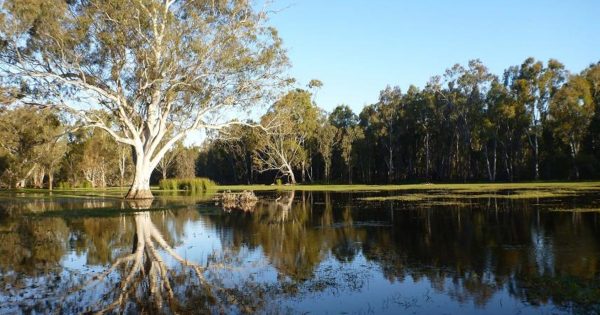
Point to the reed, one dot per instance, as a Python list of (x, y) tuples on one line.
[(192, 185)]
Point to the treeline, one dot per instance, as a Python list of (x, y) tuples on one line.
[(41, 149), (535, 121)]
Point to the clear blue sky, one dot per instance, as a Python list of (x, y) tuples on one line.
[(357, 47)]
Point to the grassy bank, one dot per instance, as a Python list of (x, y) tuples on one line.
[(461, 188), (414, 191)]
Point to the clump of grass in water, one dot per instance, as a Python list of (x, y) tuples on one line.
[(407, 197), (578, 210), (191, 185), (450, 194)]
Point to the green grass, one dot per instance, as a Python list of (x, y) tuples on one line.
[(405, 197), (461, 188), (413, 192), (577, 210), (437, 192), (524, 194)]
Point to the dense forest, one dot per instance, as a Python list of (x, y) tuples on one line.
[(535, 121)]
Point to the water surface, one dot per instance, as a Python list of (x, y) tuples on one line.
[(302, 252)]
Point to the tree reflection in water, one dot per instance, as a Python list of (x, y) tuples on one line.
[(145, 263), (312, 244)]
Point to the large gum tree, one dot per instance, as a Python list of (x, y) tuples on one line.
[(161, 68)]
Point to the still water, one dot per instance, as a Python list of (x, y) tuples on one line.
[(302, 252)]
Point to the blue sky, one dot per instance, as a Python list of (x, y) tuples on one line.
[(357, 47)]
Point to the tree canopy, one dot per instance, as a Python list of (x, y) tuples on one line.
[(162, 69)]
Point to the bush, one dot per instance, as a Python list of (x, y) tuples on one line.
[(64, 185), (192, 185), (169, 184)]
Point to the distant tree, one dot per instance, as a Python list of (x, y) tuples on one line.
[(125, 163), (349, 138), (343, 117), (53, 152), (388, 113), (314, 85), (240, 142), (168, 161), (98, 160), (293, 119), (572, 110), (533, 85), (27, 137), (592, 146), (326, 138), (185, 162)]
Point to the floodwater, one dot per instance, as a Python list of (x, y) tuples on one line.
[(302, 252)]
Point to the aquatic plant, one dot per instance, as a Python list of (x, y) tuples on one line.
[(192, 185)]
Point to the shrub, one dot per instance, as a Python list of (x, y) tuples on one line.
[(191, 185), (64, 185)]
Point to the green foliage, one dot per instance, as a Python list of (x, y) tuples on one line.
[(32, 143), (164, 67), (192, 185), (468, 124), (293, 120), (64, 185)]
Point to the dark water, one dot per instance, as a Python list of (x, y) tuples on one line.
[(318, 253)]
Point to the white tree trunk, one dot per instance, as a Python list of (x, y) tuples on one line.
[(140, 187)]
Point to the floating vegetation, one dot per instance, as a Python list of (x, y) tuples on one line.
[(500, 194), (404, 197), (245, 201), (578, 210), (460, 188), (443, 204)]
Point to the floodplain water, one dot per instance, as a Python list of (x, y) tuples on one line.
[(300, 252)]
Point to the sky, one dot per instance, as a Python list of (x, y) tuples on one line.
[(358, 47)]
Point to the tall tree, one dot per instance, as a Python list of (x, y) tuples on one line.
[(27, 137), (349, 138), (163, 69), (168, 161), (185, 162), (388, 110), (572, 110), (326, 137), (293, 119), (533, 86)]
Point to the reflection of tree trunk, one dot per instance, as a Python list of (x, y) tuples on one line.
[(145, 262), (284, 204)]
